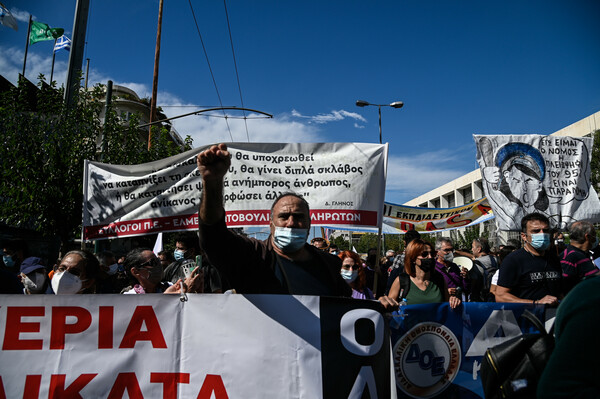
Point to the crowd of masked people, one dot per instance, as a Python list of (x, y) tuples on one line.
[(140, 271), (541, 271), (539, 268)]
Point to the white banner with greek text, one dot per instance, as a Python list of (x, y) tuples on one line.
[(344, 184), (212, 346), (550, 175)]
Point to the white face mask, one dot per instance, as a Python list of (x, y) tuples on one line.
[(65, 283), (36, 285), (449, 257)]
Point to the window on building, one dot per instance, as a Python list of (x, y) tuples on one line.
[(467, 195)]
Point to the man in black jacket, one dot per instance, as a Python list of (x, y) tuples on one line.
[(282, 264)]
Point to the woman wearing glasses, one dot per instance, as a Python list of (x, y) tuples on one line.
[(354, 274), (146, 273), (420, 283)]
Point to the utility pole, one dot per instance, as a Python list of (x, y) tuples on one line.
[(76, 52), (155, 76)]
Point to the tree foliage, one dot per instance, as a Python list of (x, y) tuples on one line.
[(595, 160), (464, 239), (341, 242), (366, 241), (44, 146)]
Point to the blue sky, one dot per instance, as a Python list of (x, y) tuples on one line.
[(461, 68)]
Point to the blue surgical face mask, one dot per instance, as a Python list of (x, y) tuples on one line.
[(112, 269), (8, 261), (349, 275), (540, 241), (289, 240), (178, 254)]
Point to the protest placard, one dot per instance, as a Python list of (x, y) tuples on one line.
[(534, 173)]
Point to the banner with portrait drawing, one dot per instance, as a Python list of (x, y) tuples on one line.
[(210, 347), (344, 184), (398, 219), (533, 173)]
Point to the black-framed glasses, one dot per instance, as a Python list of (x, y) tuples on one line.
[(425, 253), (448, 250)]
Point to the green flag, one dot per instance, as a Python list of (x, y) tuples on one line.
[(40, 32)]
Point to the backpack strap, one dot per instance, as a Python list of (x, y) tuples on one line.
[(404, 284)]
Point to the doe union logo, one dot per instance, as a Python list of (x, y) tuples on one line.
[(426, 360)]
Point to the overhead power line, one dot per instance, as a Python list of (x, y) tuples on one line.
[(210, 68), (236, 69)]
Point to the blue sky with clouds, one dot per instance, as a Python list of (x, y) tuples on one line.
[(461, 68)]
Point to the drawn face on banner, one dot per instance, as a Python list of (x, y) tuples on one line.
[(524, 184), (522, 171)]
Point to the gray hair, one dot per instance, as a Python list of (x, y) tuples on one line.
[(579, 230), (440, 241), (134, 258), (482, 243), (90, 262)]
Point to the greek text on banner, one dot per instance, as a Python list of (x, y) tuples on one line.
[(344, 184)]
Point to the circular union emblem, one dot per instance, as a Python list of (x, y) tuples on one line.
[(426, 360)]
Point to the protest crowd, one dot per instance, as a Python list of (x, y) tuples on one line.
[(538, 270)]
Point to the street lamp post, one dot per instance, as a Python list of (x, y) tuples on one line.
[(395, 104)]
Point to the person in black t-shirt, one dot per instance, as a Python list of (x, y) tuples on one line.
[(531, 274)]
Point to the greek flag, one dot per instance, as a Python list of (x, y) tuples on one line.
[(7, 19), (62, 42)]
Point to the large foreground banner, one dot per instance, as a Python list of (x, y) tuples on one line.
[(212, 346), (398, 219), (437, 350), (344, 183), (533, 173)]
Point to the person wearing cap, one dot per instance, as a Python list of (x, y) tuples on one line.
[(516, 179), (34, 277)]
